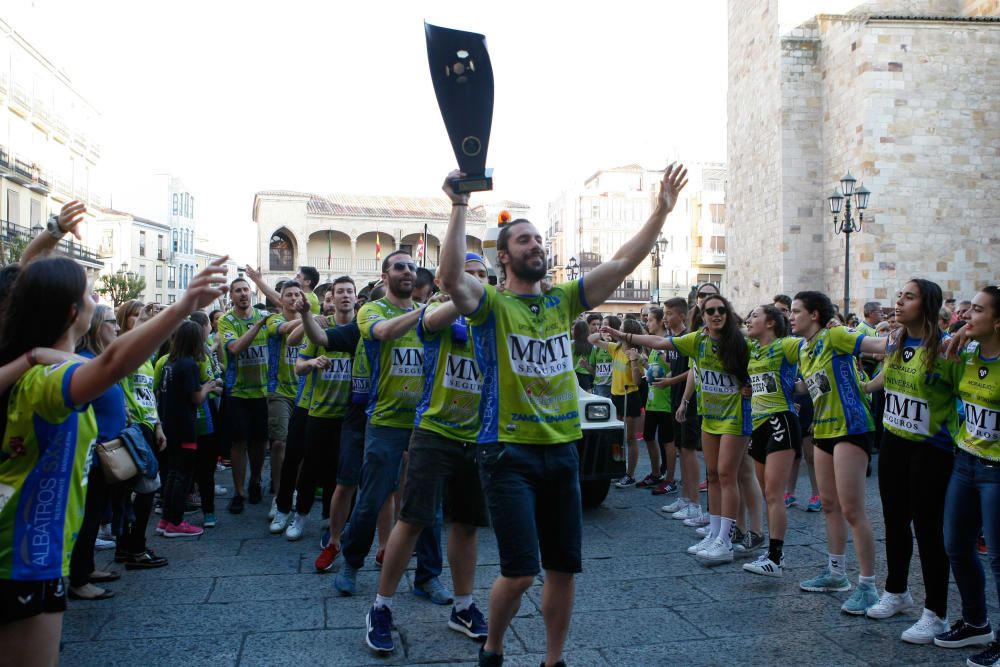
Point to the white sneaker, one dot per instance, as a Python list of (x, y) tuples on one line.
[(221, 491), (101, 544), (765, 566), (695, 548), (890, 604), (924, 630), (699, 518), (703, 530), (675, 506), (296, 527), (690, 510), (280, 522), (274, 509), (717, 551)]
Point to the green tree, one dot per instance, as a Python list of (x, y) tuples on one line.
[(12, 247), (121, 287)]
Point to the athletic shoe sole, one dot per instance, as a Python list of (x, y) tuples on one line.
[(825, 589), (978, 640), (458, 627), (714, 560), (881, 616)]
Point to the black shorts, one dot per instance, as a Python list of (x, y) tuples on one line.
[(630, 408), (442, 469), (658, 427), (778, 433), (246, 419), (862, 440), (689, 433), (24, 599), (805, 405)]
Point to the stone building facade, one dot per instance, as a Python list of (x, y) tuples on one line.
[(904, 94)]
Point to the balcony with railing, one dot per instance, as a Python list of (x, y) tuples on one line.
[(325, 264), (171, 284), (21, 171), (589, 261), (15, 238), (631, 291), (368, 266), (710, 257), (5, 161), (19, 98)]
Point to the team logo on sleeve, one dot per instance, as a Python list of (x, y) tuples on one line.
[(535, 357)]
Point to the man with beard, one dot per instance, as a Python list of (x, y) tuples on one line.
[(528, 459), (397, 379), (245, 343)]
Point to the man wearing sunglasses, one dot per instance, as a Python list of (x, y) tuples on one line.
[(395, 357), (527, 448)]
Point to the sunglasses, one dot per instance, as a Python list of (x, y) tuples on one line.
[(721, 310), (400, 266), (703, 295)]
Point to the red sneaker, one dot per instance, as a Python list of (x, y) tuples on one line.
[(326, 557), (161, 526), (703, 487), (981, 546), (648, 481), (183, 529), (379, 557)]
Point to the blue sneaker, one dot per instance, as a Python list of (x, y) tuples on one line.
[(378, 636), (864, 596), (324, 540), (815, 504), (434, 591), (827, 583), (469, 622), (346, 580)]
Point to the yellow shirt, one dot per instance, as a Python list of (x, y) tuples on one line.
[(621, 371)]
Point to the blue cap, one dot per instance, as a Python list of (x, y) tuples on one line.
[(473, 257)]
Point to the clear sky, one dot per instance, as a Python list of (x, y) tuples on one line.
[(236, 97)]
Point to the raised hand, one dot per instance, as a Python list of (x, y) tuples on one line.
[(613, 333), (455, 197), (70, 217), (674, 180), (207, 286)]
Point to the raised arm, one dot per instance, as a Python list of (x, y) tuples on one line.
[(440, 318), (602, 281), (396, 327), (466, 292), (265, 289), (127, 353), (640, 340), (70, 217), (244, 341), (874, 345), (597, 340), (44, 356), (310, 326)]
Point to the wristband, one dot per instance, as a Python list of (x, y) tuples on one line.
[(455, 203)]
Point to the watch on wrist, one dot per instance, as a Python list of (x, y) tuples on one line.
[(52, 227)]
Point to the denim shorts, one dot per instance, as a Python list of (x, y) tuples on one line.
[(533, 493), (352, 452)]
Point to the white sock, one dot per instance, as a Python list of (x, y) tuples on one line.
[(713, 525), (837, 565), (726, 530), (463, 602), (383, 601), (867, 580)]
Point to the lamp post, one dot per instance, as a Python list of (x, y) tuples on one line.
[(659, 248), (573, 268), (848, 225)]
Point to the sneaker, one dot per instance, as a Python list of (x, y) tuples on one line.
[(688, 511), (649, 480), (625, 482), (221, 491), (962, 634), (274, 509), (469, 622), (665, 488), (325, 559), (434, 591), (926, 629), (737, 541), (765, 566), (826, 583), (675, 506), (224, 464), (750, 544), (790, 500), (324, 539), (105, 532), (703, 486), (698, 546), (378, 633), (490, 659), (864, 597), (981, 546), (254, 495), (158, 506), (380, 558), (890, 604), (815, 504), (280, 522), (183, 529), (346, 580), (236, 504), (988, 658), (703, 531), (146, 560), (699, 519), (295, 527), (161, 525), (209, 520), (103, 545), (717, 551)]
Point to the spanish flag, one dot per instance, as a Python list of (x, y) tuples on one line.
[(378, 248)]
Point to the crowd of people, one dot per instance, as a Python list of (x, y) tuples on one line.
[(432, 396)]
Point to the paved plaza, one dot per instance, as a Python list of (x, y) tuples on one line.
[(239, 596)]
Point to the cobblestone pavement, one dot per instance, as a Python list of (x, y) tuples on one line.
[(239, 596)]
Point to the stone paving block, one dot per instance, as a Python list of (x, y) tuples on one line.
[(436, 642), (83, 621), (596, 595), (272, 587), (604, 629), (800, 648), (749, 616), (731, 582), (344, 648), (227, 566), (577, 658), (144, 584), (237, 617), (877, 643), (191, 651)]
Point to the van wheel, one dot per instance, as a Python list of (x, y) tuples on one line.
[(594, 491)]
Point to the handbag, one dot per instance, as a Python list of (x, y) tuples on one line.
[(116, 461)]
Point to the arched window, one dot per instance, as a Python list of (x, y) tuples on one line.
[(282, 254)]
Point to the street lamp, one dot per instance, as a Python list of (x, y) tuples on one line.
[(573, 267), (659, 248), (848, 225)]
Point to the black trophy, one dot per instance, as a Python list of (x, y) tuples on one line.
[(463, 83)]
